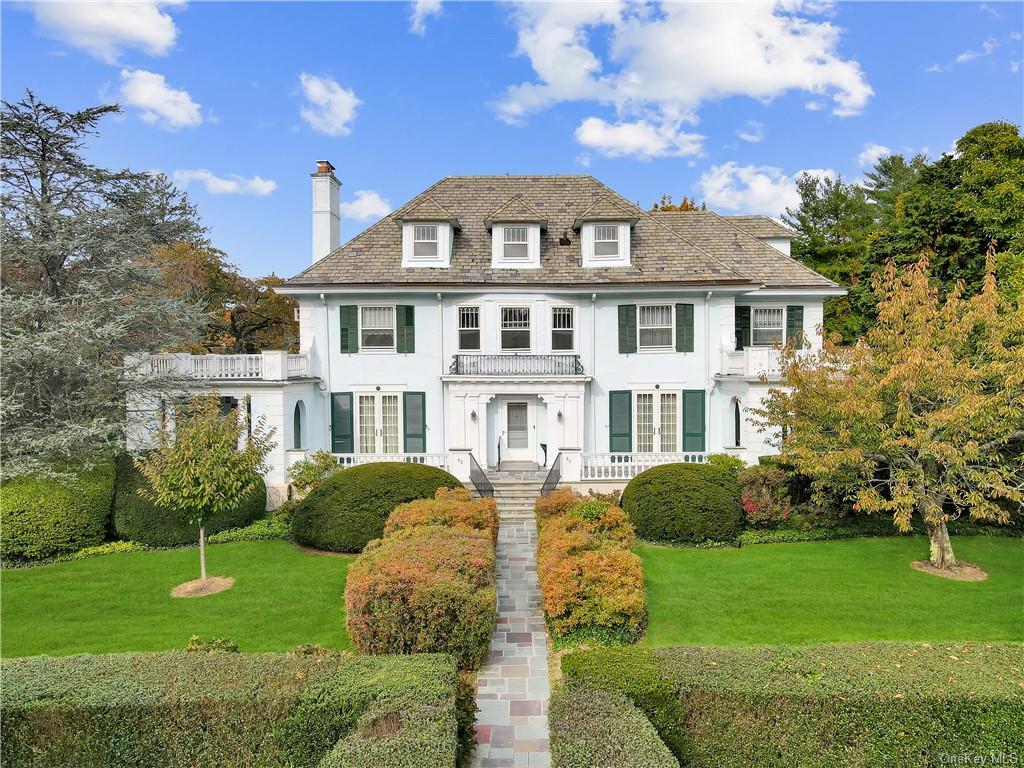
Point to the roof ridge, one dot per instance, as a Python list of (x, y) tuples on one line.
[(517, 197)]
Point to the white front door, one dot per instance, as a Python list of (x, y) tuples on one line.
[(657, 422), (379, 423), (518, 432)]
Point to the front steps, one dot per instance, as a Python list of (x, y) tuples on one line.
[(515, 491)]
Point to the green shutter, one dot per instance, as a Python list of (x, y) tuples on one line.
[(795, 324), (693, 419), (349, 314), (620, 420), (341, 423), (405, 327), (684, 327), (627, 328), (414, 406), (742, 327)]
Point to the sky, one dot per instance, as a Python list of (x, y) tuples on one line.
[(725, 103)]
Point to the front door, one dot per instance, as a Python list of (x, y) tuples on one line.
[(517, 432), (379, 423), (657, 419)]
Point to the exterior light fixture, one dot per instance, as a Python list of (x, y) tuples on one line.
[(472, 415)]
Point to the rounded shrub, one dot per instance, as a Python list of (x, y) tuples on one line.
[(349, 509), (139, 519), (44, 517), (685, 503), (451, 508)]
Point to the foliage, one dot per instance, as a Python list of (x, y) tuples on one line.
[(44, 517), (451, 508), (597, 727), (426, 589), (725, 461), (78, 295), (925, 416), (350, 507), (108, 548), (763, 495), (276, 525), (230, 709), (556, 503), (686, 204), (214, 645), (305, 475), (684, 503), (869, 704), (137, 518)]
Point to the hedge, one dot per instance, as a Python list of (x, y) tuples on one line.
[(43, 518), (451, 508), (859, 705), (348, 509), (427, 589), (139, 519), (186, 709), (685, 504)]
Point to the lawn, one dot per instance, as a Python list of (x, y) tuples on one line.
[(282, 597), (823, 591)]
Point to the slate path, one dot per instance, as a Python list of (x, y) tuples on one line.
[(512, 687)]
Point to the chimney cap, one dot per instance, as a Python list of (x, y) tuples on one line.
[(324, 166)]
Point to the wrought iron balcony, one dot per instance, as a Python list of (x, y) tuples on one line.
[(516, 365)]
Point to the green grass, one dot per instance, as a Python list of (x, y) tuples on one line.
[(282, 597), (830, 591)]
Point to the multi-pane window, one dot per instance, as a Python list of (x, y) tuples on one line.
[(606, 240), (766, 326), (515, 328), (390, 432), (379, 423), (469, 328), (563, 328), (377, 327), (515, 246), (654, 326), (368, 424), (424, 241), (645, 422)]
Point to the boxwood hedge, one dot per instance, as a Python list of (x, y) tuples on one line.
[(139, 519), (187, 709), (43, 518), (349, 509), (865, 704)]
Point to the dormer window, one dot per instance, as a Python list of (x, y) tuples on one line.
[(605, 244), (515, 246), (606, 241), (424, 241), (426, 244)]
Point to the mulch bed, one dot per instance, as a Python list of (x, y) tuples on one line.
[(963, 571), (202, 587)]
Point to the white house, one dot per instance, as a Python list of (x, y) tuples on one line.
[(504, 321)]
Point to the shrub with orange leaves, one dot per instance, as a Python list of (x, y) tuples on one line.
[(556, 503), (451, 508)]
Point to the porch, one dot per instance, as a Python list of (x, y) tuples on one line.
[(266, 366)]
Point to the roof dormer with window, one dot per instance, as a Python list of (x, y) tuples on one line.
[(515, 235), (605, 234), (427, 234)]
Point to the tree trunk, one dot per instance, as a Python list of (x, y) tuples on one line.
[(941, 551), (202, 552)]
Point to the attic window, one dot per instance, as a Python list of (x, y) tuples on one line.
[(424, 241), (606, 241), (426, 245), (605, 244), (516, 248)]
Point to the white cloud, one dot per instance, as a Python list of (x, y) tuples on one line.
[(753, 132), (1015, 36), (814, 106), (421, 10), (638, 139), (986, 8), (663, 64), (1015, 66), (367, 205), (988, 45), (584, 159), (871, 154), (159, 104), (752, 188), (219, 185), (329, 108), (105, 28)]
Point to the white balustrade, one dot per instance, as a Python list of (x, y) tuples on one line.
[(624, 466), (439, 460), (298, 366), (751, 362), (240, 367), (227, 366)]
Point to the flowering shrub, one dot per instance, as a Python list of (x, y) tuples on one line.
[(450, 507), (558, 502)]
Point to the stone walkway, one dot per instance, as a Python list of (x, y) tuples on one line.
[(512, 688)]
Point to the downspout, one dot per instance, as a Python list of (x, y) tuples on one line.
[(593, 372), (709, 383), (444, 417), (330, 381)]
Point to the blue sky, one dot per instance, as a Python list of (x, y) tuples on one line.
[(723, 103)]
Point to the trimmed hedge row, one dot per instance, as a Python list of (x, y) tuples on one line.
[(187, 709), (348, 509), (591, 584), (139, 519), (451, 508), (43, 518), (863, 704)]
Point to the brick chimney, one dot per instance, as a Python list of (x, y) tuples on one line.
[(326, 210)]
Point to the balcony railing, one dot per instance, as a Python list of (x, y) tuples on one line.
[(268, 366), (624, 466), (517, 365), (752, 362)]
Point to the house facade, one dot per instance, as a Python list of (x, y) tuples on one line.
[(512, 321)]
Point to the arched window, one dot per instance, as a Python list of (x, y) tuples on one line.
[(298, 417), (737, 419)]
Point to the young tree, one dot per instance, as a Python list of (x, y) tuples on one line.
[(924, 416), (208, 465), (686, 204)]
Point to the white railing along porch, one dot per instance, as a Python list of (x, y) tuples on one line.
[(268, 366), (624, 466), (431, 459), (752, 362), (298, 366), (227, 366)]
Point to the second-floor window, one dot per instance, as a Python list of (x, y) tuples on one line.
[(424, 241), (767, 326), (563, 329), (377, 327), (515, 329), (655, 326), (469, 329), (515, 244), (606, 241)]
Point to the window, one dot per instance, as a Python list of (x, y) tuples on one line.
[(766, 326), (606, 240), (562, 329), (377, 327), (654, 327), (515, 244), (469, 328), (515, 328), (298, 415), (737, 424), (424, 241), (379, 423)]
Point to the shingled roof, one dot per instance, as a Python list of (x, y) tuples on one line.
[(516, 211), (662, 251), (761, 226)]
